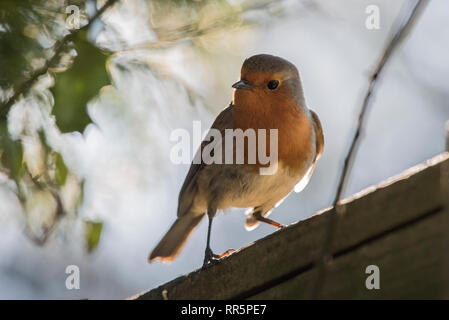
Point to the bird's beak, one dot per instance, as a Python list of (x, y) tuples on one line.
[(242, 84)]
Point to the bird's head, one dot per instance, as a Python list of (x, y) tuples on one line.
[(267, 79)]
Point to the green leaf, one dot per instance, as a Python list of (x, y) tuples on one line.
[(11, 153), (43, 140), (80, 83), (93, 233), (61, 170), (81, 195)]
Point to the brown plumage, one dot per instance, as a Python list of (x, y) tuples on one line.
[(268, 96)]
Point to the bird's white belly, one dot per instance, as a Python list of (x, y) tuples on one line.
[(263, 190)]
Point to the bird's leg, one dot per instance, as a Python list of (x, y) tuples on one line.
[(209, 256), (258, 215)]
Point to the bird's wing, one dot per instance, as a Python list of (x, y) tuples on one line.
[(223, 121), (319, 146), (319, 136)]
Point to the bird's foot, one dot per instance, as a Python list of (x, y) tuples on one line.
[(212, 258), (280, 226), (226, 253), (209, 257)]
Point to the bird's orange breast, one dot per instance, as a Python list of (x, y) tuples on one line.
[(295, 131)]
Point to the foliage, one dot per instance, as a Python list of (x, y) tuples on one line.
[(24, 26), (11, 153), (36, 45), (76, 86), (93, 233)]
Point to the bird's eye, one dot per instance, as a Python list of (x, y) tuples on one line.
[(273, 84)]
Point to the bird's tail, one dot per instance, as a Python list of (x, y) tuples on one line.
[(173, 241)]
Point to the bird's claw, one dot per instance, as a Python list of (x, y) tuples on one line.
[(209, 257), (212, 258)]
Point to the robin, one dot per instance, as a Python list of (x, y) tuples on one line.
[(269, 95)]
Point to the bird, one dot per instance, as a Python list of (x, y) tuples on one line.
[(269, 95)]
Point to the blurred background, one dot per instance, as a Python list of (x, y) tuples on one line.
[(86, 177)]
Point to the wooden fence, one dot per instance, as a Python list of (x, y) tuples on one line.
[(401, 226)]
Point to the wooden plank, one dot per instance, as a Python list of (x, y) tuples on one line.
[(412, 263), (292, 251)]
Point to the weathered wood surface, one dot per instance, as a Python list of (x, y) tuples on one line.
[(412, 262), (401, 225)]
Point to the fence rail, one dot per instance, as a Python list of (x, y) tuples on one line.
[(400, 225)]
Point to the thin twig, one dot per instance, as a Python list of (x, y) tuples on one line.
[(325, 254), (59, 46)]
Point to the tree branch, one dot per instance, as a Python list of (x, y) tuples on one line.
[(325, 254), (59, 46)]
